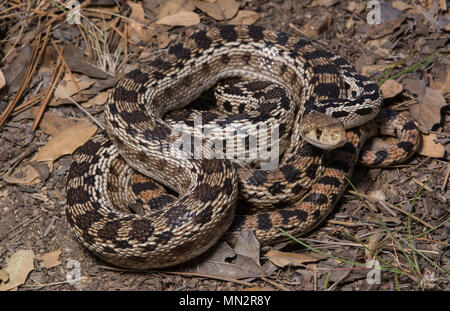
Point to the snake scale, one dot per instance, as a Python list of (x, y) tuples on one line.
[(296, 196)]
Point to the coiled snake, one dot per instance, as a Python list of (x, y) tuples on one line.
[(327, 96)]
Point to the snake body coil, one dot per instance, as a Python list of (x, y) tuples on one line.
[(305, 186)]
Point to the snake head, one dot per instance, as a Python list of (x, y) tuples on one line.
[(323, 131)]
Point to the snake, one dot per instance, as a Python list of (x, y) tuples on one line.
[(335, 111)]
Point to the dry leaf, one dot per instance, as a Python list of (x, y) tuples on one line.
[(68, 87), (245, 17), (220, 9), (213, 262), (247, 245), (2, 80), (317, 25), (378, 194), (350, 23), (325, 3), (98, 100), (51, 259), (431, 149), (15, 72), (163, 39), (182, 18), (402, 6), (19, 266), (373, 245), (136, 31), (357, 7), (26, 175), (137, 11), (51, 124), (385, 28), (443, 86), (282, 259), (174, 6), (414, 86), (391, 88), (377, 44), (106, 12), (368, 70), (66, 141), (4, 276), (428, 111), (75, 60)]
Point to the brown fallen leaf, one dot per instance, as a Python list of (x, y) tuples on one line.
[(51, 124), (4, 276), (182, 18), (391, 88), (163, 39), (15, 72), (402, 6), (26, 175), (247, 245), (105, 13), (51, 259), (245, 17), (325, 3), (317, 25), (442, 85), (385, 28), (66, 141), (68, 87), (213, 262), (431, 149), (19, 266), (414, 86), (174, 6), (368, 70), (136, 31), (219, 10), (357, 7), (97, 100), (2, 80), (75, 60), (282, 259), (428, 111)]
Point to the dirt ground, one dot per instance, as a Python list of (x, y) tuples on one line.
[(410, 46)]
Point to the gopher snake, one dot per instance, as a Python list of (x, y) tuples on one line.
[(304, 188)]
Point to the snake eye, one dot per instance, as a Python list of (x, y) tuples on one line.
[(318, 132)]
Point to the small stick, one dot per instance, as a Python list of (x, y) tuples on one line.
[(31, 101), (277, 285), (391, 206), (25, 81), (59, 69), (22, 224), (60, 54), (422, 185), (187, 274), (346, 223), (444, 183), (98, 123)]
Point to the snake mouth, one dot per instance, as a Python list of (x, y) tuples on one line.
[(326, 146)]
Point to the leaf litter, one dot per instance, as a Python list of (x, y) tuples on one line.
[(113, 40)]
